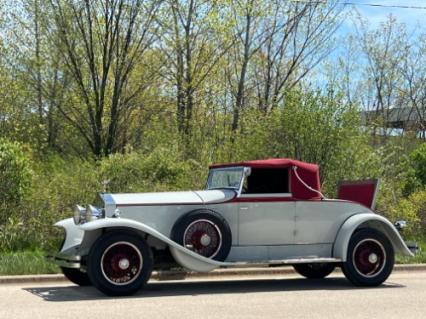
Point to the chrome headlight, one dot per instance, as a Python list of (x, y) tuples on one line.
[(79, 214), (93, 213)]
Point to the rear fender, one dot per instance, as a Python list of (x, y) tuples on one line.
[(367, 220), (183, 256)]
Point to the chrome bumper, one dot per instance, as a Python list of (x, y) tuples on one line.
[(67, 261)]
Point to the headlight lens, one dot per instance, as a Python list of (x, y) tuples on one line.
[(82, 215), (79, 214), (93, 213)]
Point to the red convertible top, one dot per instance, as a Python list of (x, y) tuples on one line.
[(308, 172)]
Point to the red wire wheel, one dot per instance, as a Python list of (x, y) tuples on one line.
[(205, 232), (121, 263), (204, 237), (369, 257)]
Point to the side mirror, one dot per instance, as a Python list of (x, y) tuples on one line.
[(400, 224)]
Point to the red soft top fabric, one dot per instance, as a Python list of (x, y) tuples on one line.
[(308, 172)]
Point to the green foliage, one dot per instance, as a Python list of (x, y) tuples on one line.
[(14, 172), (162, 169), (418, 160), (15, 175), (57, 186), (413, 210)]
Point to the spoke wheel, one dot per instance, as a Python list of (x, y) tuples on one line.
[(205, 232), (119, 264), (204, 237), (370, 258)]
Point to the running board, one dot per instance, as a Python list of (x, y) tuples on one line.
[(291, 261)]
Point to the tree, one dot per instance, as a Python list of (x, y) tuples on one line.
[(280, 44), (413, 89), (102, 41), (193, 42), (384, 51), (296, 38)]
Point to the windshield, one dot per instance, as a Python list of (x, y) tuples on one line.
[(225, 178)]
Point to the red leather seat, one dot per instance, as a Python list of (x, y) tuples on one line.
[(363, 192)]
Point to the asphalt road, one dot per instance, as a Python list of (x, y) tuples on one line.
[(402, 296)]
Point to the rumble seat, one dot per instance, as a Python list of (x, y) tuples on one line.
[(363, 192)]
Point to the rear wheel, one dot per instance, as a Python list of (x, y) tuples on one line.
[(76, 276), (119, 264), (370, 258), (314, 271)]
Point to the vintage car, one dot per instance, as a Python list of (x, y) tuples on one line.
[(255, 212)]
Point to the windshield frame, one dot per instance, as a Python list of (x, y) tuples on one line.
[(242, 169)]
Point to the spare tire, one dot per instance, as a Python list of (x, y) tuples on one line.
[(205, 232)]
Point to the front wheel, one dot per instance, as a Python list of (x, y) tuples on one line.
[(119, 264), (314, 271), (370, 258)]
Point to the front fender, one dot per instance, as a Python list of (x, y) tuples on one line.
[(367, 220), (73, 234), (182, 255)]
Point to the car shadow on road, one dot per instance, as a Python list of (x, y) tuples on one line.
[(194, 288)]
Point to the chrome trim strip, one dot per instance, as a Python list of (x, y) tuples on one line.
[(76, 258), (66, 264), (67, 261)]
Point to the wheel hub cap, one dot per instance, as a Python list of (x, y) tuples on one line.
[(372, 258), (205, 240), (123, 264)]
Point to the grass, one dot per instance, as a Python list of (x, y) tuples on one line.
[(26, 263), (35, 262)]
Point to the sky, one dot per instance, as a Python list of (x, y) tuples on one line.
[(411, 17)]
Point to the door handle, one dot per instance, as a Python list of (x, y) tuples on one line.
[(244, 208)]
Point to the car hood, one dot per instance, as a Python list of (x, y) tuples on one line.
[(170, 198)]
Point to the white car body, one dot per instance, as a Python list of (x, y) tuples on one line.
[(266, 228)]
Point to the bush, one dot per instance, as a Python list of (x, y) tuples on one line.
[(418, 160), (58, 184), (15, 178), (161, 170), (413, 210)]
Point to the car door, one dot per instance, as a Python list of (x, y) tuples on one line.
[(266, 221)]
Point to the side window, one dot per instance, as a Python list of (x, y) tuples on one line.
[(267, 181)]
